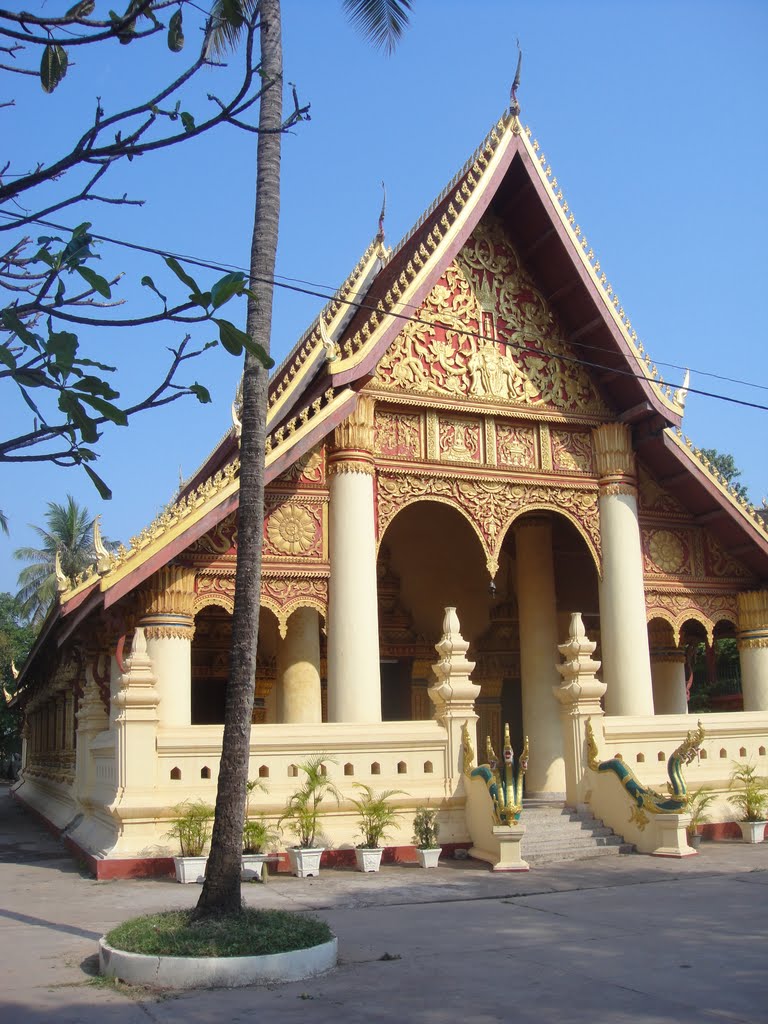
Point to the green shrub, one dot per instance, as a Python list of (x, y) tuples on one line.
[(191, 826)]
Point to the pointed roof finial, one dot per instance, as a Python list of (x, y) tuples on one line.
[(14, 670), (681, 394), (514, 106), (62, 583), (103, 557), (380, 235)]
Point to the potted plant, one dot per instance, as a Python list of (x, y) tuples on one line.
[(191, 826), (698, 802), (375, 818), (302, 813), (751, 801), (259, 838), (425, 832)]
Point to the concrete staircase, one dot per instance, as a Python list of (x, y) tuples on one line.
[(555, 832)]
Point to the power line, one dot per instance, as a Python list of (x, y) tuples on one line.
[(310, 289)]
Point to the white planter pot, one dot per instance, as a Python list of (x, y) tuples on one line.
[(190, 869), (368, 859), (752, 831), (429, 858), (305, 863)]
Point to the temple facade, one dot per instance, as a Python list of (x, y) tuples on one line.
[(470, 423)]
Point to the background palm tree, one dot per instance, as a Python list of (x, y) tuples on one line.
[(382, 22), (68, 530), (3, 522)]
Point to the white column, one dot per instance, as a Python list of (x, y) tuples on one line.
[(623, 631), (298, 669), (537, 608), (354, 683), (667, 671), (753, 649), (169, 628)]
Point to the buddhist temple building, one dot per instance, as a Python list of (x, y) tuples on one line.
[(470, 423)]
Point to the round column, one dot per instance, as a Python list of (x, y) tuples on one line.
[(298, 669), (623, 631), (169, 628), (537, 608), (753, 649), (667, 671), (354, 683)]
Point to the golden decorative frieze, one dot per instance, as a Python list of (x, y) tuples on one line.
[(169, 631), (358, 462), (652, 498), (459, 440), (490, 506), (486, 334), (309, 469), (221, 539), (516, 445), (718, 562), (283, 596), (705, 607), (397, 435), (572, 451), (215, 590)]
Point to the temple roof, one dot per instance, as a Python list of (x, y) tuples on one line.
[(316, 385)]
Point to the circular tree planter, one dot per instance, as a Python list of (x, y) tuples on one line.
[(180, 972)]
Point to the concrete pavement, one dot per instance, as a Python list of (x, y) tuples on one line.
[(604, 941)]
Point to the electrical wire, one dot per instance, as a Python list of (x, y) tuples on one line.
[(310, 289)]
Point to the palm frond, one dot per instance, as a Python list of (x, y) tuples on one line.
[(381, 22), (227, 22)]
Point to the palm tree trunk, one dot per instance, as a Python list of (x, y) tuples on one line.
[(221, 889)]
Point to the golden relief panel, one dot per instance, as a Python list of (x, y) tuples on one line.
[(489, 505), (220, 540), (515, 446), (294, 530), (397, 435), (572, 451), (214, 590), (459, 440), (283, 596), (717, 561), (309, 469), (485, 333), (653, 498), (667, 552)]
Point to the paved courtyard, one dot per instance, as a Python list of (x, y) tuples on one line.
[(603, 941)]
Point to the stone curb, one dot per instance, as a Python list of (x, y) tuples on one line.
[(182, 972)]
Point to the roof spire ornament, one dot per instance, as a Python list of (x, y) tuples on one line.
[(514, 106), (103, 557), (380, 233), (62, 583), (681, 394)]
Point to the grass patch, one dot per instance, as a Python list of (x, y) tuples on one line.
[(249, 933)]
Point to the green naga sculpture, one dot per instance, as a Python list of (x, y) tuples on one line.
[(675, 801), (505, 784)]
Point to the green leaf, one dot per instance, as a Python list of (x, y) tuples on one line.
[(99, 366), (232, 13), (234, 341), (31, 378), (101, 487), (182, 275), (62, 345), (201, 299), (53, 66), (96, 386), (11, 322), (71, 407), (82, 10), (223, 290), (7, 357), (96, 281), (188, 121), (201, 393), (231, 337), (175, 32), (149, 283), (112, 412)]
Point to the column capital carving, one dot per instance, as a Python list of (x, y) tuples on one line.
[(170, 591), (353, 440), (615, 459)]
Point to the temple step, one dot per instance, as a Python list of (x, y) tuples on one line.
[(555, 832)]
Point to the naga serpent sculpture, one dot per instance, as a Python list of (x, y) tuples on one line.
[(646, 799), (505, 787)]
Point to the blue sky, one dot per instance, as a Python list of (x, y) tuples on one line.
[(651, 115)]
